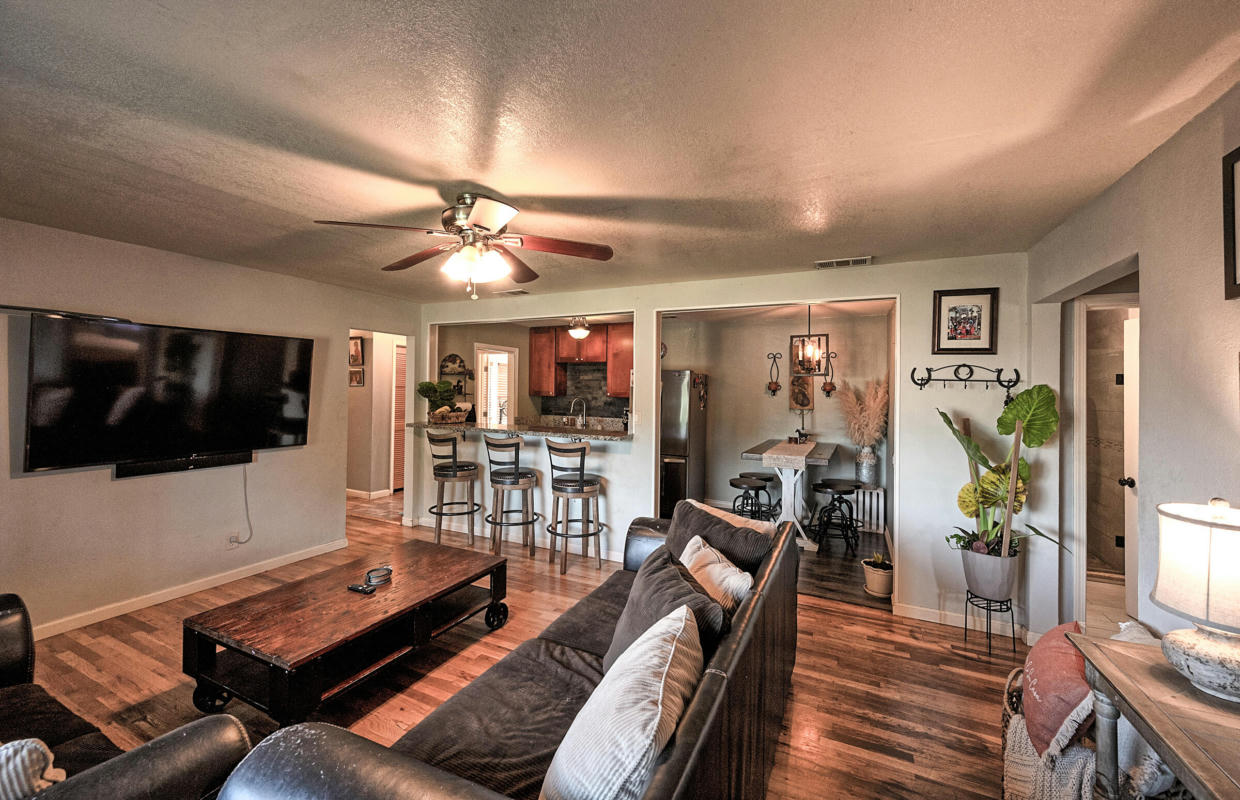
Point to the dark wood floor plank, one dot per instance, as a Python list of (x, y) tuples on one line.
[(880, 707)]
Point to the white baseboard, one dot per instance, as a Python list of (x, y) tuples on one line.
[(358, 493), (173, 592), (408, 522), (483, 531), (977, 620)]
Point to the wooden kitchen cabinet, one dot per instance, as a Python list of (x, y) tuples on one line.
[(547, 378), (592, 349), (619, 359)]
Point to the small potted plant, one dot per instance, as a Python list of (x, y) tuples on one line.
[(878, 575), (865, 417), (441, 399), (994, 496)]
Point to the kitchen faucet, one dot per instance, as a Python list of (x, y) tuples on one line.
[(581, 418)]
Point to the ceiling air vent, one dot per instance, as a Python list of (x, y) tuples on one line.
[(511, 293), (859, 261)]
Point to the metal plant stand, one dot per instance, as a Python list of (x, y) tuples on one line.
[(990, 607)]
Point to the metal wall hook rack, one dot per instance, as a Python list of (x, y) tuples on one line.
[(966, 374)]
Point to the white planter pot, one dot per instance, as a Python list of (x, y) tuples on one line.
[(989, 576), (878, 581)]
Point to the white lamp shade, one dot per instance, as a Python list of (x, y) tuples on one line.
[(470, 263), (1199, 564)]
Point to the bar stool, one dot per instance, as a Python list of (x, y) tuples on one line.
[(772, 507), (570, 481), (507, 475), (838, 512), (447, 468), (748, 504)]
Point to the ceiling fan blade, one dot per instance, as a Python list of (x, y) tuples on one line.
[(521, 272), (422, 255), (564, 247), (389, 227), (490, 215)]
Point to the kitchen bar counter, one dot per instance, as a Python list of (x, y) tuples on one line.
[(520, 429)]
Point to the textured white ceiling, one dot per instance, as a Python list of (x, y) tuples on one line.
[(698, 138)]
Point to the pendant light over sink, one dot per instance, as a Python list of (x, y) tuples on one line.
[(578, 329)]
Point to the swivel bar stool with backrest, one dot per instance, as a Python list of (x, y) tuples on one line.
[(570, 481), (507, 475), (447, 468), (838, 512)]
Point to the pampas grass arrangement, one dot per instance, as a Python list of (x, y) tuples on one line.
[(865, 412)]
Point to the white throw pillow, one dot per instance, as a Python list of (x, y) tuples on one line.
[(610, 749), (26, 768), (759, 525), (727, 584)]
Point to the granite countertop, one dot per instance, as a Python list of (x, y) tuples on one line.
[(531, 429)]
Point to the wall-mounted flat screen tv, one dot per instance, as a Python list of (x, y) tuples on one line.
[(107, 392)]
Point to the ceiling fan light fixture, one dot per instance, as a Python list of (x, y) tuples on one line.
[(578, 329), (473, 264)]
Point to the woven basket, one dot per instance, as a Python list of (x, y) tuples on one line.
[(447, 418)]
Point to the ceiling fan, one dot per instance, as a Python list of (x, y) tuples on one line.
[(481, 245)]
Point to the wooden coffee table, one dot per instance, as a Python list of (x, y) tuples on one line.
[(287, 649)]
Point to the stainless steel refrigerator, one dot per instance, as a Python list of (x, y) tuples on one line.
[(682, 443)]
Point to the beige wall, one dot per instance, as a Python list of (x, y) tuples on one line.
[(77, 543), (370, 415), (460, 339), (741, 413), (1166, 213)]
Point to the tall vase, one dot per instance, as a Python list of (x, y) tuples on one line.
[(867, 466)]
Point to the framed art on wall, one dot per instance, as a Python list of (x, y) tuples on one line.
[(357, 377), (1231, 176), (965, 321), (355, 351), (801, 393)]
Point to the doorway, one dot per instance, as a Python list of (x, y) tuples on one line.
[(375, 442), (496, 375), (1107, 388)]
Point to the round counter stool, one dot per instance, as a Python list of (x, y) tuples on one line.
[(570, 481), (838, 512), (772, 507), (507, 475), (447, 468), (748, 504)]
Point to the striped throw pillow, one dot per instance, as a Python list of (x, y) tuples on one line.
[(610, 749), (26, 768)]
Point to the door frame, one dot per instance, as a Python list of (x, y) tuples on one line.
[(392, 420), (1080, 401), (514, 368)]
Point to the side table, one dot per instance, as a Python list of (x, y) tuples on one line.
[(1197, 735)]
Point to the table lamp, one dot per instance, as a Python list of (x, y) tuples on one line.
[(1199, 578)]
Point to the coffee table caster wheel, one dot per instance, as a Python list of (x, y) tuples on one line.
[(497, 615), (209, 700)]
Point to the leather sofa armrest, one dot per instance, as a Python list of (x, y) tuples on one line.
[(189, 763), (645, 534), (314, 760), (16, 642)]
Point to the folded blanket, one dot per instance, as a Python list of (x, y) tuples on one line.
[(1026, 776)]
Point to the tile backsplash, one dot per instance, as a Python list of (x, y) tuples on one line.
[(589, 382)]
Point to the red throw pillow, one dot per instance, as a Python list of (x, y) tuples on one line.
[(1058, 703)]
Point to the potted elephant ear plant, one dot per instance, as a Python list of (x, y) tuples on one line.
[(997, 491)]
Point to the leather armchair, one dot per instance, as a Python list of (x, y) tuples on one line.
[(190, 763), (314, 760)]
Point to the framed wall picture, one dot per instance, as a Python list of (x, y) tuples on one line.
[(357, 377), (966, 321), (1231, 176), (356, 359), (801, 393)]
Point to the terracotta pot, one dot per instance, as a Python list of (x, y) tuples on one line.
[(989, 576), (878, 581)]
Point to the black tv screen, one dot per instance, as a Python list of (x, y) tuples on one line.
[(106, 392)]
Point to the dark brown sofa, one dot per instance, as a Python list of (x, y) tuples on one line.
[(496, 737), (190, 762)]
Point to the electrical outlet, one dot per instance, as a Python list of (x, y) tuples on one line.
[(233, 541)]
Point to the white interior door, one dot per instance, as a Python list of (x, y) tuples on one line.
[(1132, 409)]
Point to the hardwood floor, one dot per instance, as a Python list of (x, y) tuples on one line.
[(836, 574), (880, 707)]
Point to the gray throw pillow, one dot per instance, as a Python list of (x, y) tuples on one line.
[(662, 585), (742, 546)]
